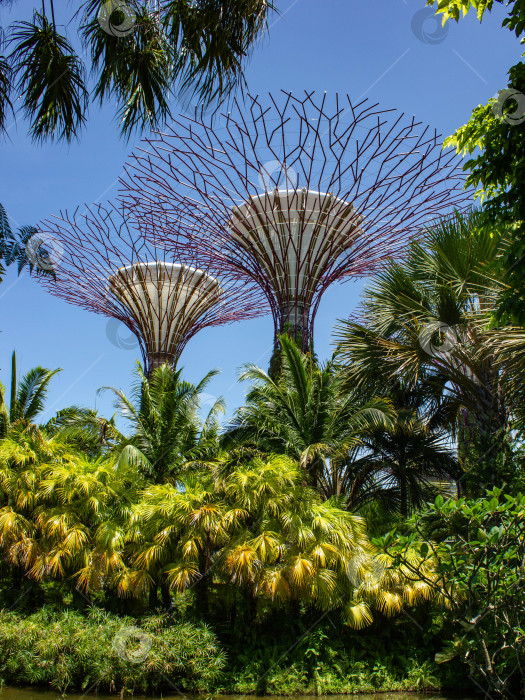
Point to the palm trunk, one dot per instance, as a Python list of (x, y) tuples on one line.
[(165, 595), (202, 586), (403, 489), (153, 599)]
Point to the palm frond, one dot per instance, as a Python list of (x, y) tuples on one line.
[(31, 393), (6, 77), (134, 68), (51, 79)]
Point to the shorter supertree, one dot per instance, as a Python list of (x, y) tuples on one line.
[(103, 264)]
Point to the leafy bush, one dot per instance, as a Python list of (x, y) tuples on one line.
[(476, 549), (70, 651)]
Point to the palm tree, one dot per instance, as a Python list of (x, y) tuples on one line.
[(74, 424), (259, 530), (141, 53), (168, 436), (306, 413), (409, 463), (66, 516), (27, 396), (295, 547), (183, 529), (427, 323)]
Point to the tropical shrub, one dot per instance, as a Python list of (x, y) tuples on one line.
[(475, 551), (69, 651)]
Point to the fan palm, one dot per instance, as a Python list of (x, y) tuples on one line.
[(297, 547), (184, 529), (259, 529), (66, 515), (406, 465), (426, 323), (307, 414)]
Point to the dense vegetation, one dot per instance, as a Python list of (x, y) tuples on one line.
[(293, 549), (359, 523)]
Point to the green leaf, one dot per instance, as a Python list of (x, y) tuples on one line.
[(50, 78)]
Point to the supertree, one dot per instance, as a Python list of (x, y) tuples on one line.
[(102, 263), (293, 193)]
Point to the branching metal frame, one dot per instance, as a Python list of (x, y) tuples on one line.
[(105, 265), (387, 171)]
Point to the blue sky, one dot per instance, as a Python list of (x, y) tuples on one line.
[(381, 49)]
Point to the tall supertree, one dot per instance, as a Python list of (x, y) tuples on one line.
[(293, 193), (103, 264)]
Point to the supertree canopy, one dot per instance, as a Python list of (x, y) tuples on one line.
[(105, 265), (293, 193)]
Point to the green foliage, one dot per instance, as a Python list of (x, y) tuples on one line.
[(27, 396), (51, 80), (309, 415), (454, 9), (168, 435), (69, 651), (13, 246), (497, 129), (6, 106), (476, 549), (249, 534), (140, 56), (428, 328), (319, 659)]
